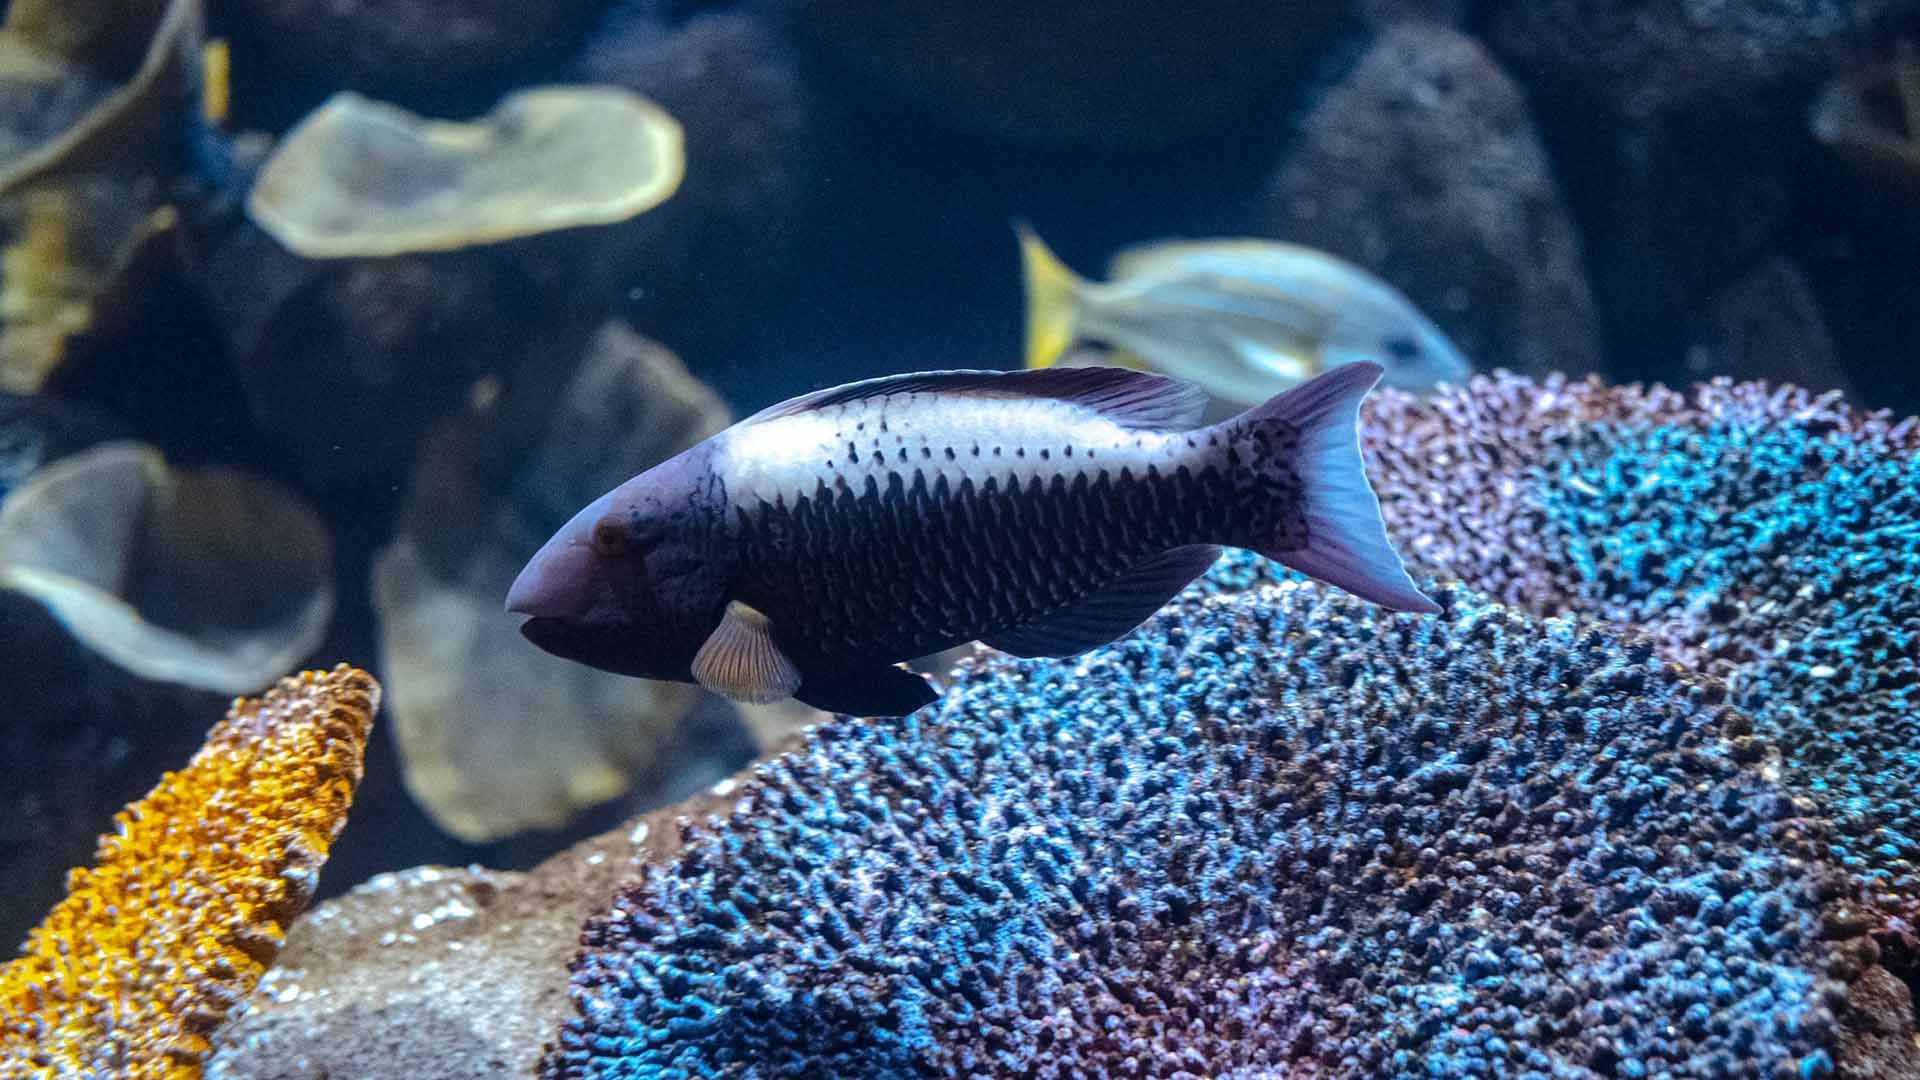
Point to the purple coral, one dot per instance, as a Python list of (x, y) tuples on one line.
[(1277, 831), (1761, 534)]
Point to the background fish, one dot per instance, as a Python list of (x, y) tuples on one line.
[(807, 549), (1243, 318)]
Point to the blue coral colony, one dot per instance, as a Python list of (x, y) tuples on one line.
[(807, 549)]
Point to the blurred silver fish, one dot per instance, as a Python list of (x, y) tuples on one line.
[(807, 549), (1245, 319)]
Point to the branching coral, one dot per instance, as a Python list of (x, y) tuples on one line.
[(191, 893), (1276, 834), (1763, 535)]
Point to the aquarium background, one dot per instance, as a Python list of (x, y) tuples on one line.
[(349, 456)]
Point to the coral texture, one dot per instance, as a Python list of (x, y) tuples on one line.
[(1283, 831), (1762, 535), (190, 895)]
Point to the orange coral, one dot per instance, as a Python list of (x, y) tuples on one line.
[(191, 893)]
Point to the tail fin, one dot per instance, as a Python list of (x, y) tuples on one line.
[(1346, 541), (1050, 298)]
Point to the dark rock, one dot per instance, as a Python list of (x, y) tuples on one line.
[(1734, 58), (393, 343), (446, 57), (38, 428), (1857, 224), (1111, 74), (1423, 165), (1678, 127), (1767, 325), (761, 150), (1382, 13)]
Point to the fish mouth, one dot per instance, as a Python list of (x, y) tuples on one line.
[(609, 648), (548, 633)]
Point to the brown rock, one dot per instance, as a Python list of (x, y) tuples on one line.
[(438, 973), (1877, 1040)]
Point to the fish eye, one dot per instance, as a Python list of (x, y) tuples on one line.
[(611, 537), (1401, 348)]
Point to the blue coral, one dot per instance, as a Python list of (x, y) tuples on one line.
[(1269, 832), (1758, 534), (1802, 555)]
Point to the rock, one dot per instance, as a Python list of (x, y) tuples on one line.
[(450, 58), (394, 343), (438, 973), (1423, 166), (1768, 326), (79, 739), (1383, 13), (763, 151), (1869, 116), (38, 428), (1677, 126), (1731, 58), (1110, 74)]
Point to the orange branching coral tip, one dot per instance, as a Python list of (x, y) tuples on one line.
[(191, 893)]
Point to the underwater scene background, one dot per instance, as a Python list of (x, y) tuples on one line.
[(319, 317)]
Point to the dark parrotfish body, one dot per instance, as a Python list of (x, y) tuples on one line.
[(809, 548)]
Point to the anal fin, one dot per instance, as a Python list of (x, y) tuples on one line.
[(740, 660), (1113, 611), (878, 691)]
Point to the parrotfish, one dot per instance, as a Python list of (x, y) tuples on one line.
[(1243, 318), (809, 549)]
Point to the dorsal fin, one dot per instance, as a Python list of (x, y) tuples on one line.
[(1134, 399)]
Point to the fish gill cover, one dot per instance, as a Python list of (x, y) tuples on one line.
[(1276, 831)]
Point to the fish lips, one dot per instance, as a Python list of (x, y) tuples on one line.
[(611, 649)]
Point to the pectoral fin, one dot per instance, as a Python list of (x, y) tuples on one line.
[(740, 660)]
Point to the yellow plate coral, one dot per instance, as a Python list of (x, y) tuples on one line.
[(191, 893), (362, 178)]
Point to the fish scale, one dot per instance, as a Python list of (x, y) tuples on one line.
[(987, 557)]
